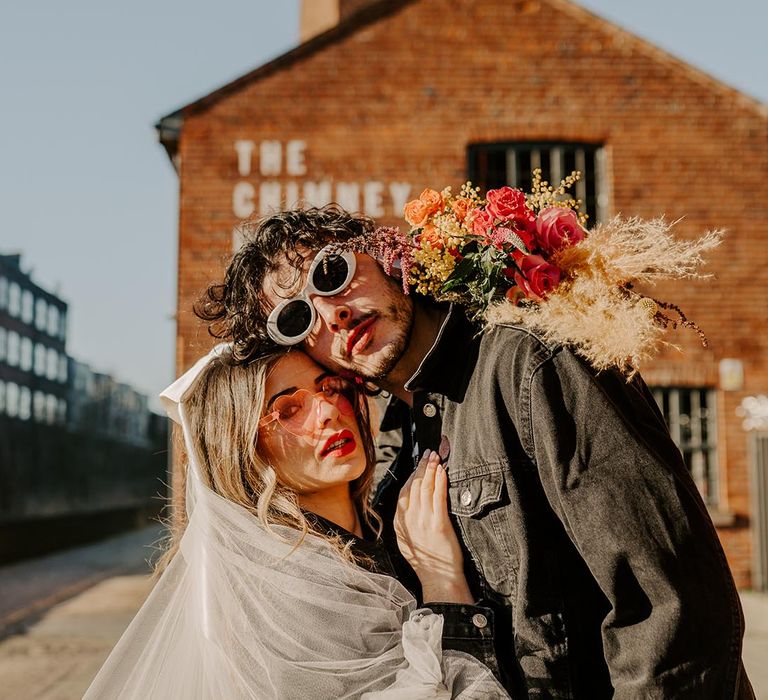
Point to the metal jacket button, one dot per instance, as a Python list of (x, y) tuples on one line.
[(479, 621), (429, 410), (466, 497)]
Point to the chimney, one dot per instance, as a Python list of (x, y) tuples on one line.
[(318, 16)]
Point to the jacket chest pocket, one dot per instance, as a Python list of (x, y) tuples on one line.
[(479, 500)]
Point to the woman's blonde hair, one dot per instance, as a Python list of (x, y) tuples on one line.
[(223, 409)]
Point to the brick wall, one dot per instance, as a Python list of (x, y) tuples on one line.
[(400, 99)]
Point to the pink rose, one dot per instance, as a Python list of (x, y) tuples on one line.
[(482, 223), (558, 228), (537, 278)]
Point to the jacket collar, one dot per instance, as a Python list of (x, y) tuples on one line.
[(372, 553), (449, 363)]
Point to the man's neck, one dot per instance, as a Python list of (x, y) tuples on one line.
[(427, 320)]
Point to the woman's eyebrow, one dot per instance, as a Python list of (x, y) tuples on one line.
[(289, 390)]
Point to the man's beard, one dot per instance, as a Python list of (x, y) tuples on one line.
[(402, 318)]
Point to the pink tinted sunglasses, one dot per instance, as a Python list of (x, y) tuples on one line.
[(298, 412)]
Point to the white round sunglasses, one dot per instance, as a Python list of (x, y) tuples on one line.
[(293, 319)]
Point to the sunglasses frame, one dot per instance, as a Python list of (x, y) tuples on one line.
[(274, 415), (308, 290)]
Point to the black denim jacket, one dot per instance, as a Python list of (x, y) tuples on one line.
[(467, 628), (582, 527)]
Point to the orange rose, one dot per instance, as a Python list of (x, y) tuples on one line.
[(432, 199), (461, 207), (430, 234), (416, 213)]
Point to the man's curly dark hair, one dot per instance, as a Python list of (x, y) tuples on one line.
[(237, 309)]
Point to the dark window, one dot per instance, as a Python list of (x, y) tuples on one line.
[(690, 415), (494, 165)]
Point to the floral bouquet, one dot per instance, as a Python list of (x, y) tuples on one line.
[(528, 259)]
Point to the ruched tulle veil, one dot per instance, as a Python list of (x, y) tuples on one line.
[(240, 613)]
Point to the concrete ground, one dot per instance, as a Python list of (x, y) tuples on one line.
[(58, 656), (29, 588), (756, 641)]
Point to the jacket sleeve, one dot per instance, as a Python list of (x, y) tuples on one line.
[(468, 628), (620, 487)]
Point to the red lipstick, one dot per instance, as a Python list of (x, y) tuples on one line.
[(339, 445)]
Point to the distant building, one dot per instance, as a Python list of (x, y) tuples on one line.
[(81, 454), (102, 406), (33, 359)]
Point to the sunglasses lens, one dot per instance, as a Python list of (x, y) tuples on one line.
[(294, 319), (298, 412), (330, 274)]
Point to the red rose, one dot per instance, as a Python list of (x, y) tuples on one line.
[(509, 204), (537, 278), (505, 203), (482, 223), (558, 228)]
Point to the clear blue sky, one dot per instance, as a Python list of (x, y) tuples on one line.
[(89, 197)]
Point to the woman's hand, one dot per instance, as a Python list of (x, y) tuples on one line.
[(425, 534)]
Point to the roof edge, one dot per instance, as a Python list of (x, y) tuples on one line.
[(170, 126), (582, 13)]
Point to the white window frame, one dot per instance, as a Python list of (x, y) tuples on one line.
[(25, 353), (53, 321), (52, 364), (14, 299), (41, 314), (27, 306), (12, 399), (14, 349), (25, 403)]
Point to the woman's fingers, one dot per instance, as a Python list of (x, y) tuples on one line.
[(440, 494), (428, 483), (412, 487)]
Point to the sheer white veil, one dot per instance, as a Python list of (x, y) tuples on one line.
[(238, 613)]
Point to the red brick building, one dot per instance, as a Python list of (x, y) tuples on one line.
[(393, 96)]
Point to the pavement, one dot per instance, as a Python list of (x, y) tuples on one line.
[(755, 652), (29, 588), (57, 656)]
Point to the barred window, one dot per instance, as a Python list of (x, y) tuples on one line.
[(493, 165), (690, 415)]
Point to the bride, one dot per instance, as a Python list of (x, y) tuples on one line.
[(279, 586)]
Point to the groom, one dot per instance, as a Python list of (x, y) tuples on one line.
[(582, 529)]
